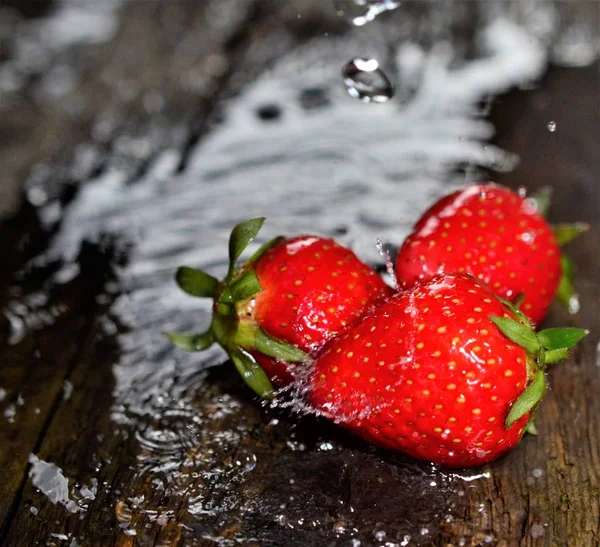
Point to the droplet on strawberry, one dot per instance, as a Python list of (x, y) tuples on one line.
[(495, 235), (438, 372), (286, 300)]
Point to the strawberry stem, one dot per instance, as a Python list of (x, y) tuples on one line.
[(232, 327), (546, 347), (245, 287), (555, 355)]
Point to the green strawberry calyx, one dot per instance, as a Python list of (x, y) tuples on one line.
[(543, 348), (232, 326), (564, 233)]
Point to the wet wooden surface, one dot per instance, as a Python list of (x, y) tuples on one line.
[(301, 492)]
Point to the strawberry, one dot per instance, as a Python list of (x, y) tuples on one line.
[(285, 301), (497, 236), (445, 372)]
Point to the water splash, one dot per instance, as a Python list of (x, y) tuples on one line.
[(389, 264), (361, 12), (49, 479), (364, 80)]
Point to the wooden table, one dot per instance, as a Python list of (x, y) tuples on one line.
[(302, 482)]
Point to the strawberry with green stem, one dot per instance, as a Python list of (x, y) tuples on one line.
[(497, 236), (284, 302), (445, 371)]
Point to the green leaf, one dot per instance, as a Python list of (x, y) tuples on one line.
[(530, 428), (566, 293), (568, 232), (528, 399), (250, 336), (514, 308), (245, 287), (196, 282), (240, 238), (252, 374), (518, 333), (518, 300), (555, 355), (277, 349), (558, 338), (191, 342), (542, 198), (263, 249)]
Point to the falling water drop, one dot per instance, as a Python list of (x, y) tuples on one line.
[(364, 80), (389, 265), (551, 126)]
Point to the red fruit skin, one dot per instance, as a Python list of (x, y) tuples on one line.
[(312, 289), (495, 235), (427, 373)]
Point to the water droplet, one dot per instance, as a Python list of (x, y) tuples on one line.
[(379, 534), (364, 80), (537, 473), (537, 531), (574, 304), (522, 191), (528, 237), (340, 527), (389, 265), (37, 196), (361, 12), (551, 126), (282, 520)]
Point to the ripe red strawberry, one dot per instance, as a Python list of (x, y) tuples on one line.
[(444, 372), (287, 300), (497, 236)]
